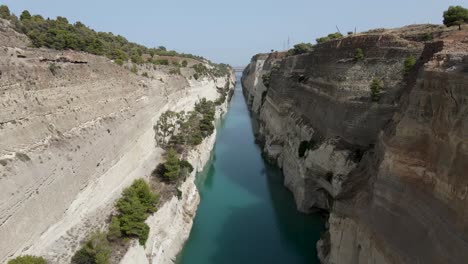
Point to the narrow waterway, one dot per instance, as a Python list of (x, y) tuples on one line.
[(246, 215)]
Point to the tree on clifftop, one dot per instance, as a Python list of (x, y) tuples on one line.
[(455, 16), (4, 12), (25, 15)]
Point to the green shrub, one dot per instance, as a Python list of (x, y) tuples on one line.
[(196, 138), (200, 71), (186, 165), (184, 63), (96, 250), (301, 48), (172, 166), (161, 62), (135, 205), (359, 54), (190, 128), (140, 190), (28, 259), (427, 37), (375, 88), (4, 12), (119, 62), (331, 36), (25, 15), (145, 74), (409, 64), (222, 97), (456, 16), (114, 232), (207, 110), (136, 58), (220, 70)]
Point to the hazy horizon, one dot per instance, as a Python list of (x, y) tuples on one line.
[(232, 32)]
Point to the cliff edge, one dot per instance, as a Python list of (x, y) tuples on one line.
[(388, 165), (76, 129)]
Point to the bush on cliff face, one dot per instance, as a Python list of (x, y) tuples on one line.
[(166, 127), (456, 16), (215, 71), (359, 54), (185, 165), (336, 35), (409, 64), (220, 70), (175, 168), (161, 62), (172, 165), (114, 232), (96, 250), (375, 88), (135, 205), (28, 259), (200, 71), (181, 129), (207, 109), (223, 94)]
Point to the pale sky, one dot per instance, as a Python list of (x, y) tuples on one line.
[(233, 31)]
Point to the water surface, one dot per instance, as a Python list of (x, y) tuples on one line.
[(246, 215)]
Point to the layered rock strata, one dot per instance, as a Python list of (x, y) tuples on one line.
[(74, 135), (392, 174)]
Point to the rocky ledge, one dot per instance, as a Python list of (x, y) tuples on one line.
[(391, 172)]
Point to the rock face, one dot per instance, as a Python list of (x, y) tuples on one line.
[(75, 130), (393, 173), (170, 226)]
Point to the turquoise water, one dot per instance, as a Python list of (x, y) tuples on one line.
[(246, 215)]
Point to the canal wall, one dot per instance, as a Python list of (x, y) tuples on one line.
[(389, 172), (170, 226)]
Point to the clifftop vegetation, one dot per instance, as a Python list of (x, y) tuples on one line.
[(336, 35), (60, 34), (301, 48), (456, 16)]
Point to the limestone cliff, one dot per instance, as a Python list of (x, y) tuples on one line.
[(393, 173), (75, 130)]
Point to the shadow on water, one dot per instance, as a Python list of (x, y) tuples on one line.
[(246, 215)]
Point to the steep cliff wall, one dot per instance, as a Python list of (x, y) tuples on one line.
[(170, 226), (74, 133), (391, 173)]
